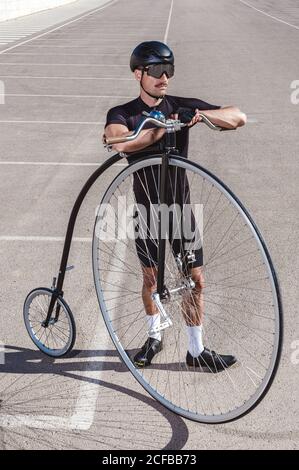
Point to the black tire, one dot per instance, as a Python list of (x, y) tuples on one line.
[(260, 316)]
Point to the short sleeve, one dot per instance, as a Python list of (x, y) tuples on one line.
[(196, 103), (202, 105), (114, 116)]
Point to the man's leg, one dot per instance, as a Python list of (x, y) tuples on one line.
[(153, 344), (193, 305), (193, 312), (148, 288)]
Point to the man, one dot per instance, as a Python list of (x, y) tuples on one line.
[(152, 63)]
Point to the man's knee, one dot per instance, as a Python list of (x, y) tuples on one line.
[(198, 278)]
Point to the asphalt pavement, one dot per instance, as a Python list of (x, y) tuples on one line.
[(57, 82)]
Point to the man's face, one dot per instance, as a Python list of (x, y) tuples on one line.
[(155, 86)]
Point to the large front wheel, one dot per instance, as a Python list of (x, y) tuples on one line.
[(242, 308)]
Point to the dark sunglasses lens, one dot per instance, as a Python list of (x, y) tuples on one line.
[(157, 70)]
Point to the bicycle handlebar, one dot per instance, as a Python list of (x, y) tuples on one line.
[(129, 138), (157, 118)]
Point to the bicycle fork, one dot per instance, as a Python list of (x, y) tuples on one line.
[(50, 320), (162, 292)]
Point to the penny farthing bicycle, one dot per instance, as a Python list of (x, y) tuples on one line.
[(242, 306)]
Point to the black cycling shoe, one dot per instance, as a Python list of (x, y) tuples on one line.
[(150, 348), (211, 361)]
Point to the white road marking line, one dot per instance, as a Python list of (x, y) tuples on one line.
[(59, 27), (80, 39), (71, 47), (30, 77), (20, 28), (123, 51), (58, 163), (20, 238), (168, 23), (270, 16), (4, 27), (61, 54), (102, 36), (68, 96), (20, 31), (53, 122), (88, 394)]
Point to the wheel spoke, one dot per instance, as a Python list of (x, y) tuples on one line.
[(57, 338)]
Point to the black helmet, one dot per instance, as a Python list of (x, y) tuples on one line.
[(151, 52)]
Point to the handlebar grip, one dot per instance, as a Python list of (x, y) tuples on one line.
[(113, 140)]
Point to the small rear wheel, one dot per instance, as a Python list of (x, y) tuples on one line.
[(56, 339)]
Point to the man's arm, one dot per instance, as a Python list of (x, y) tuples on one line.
[(145, 139), (229, 117)]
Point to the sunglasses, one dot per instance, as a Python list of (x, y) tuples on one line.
[(157, 70)]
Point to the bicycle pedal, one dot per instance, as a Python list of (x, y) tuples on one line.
[(190, 257), (165, 324)]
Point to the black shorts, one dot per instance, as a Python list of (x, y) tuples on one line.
[(147, 251), (146, 184)]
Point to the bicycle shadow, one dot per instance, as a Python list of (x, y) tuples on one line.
[(24, 361), (27, 361), (34, 361)]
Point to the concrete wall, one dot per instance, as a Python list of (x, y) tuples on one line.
[(14, 8)]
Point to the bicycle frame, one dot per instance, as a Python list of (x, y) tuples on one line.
[(170, 144), (58, 286)]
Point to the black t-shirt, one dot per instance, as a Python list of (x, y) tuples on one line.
[(130, 115)]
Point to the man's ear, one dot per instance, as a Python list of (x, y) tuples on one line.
[(138, 74)]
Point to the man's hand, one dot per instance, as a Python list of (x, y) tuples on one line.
[(146, 137), (196, 118), (229, 117)]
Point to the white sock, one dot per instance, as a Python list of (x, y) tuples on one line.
[(153, 321), (196, 346)]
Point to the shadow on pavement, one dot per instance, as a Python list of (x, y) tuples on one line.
[(26, 362)]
